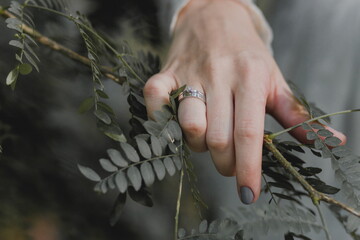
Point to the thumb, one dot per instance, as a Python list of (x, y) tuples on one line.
[(156, 91), (288, 111)]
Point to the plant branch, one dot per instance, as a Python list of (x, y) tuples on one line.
[(274, 135), (315, 195), (107, 71), (178, 204)]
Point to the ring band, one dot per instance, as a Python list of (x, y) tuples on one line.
[(192, 93)]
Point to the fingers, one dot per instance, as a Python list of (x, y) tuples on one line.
[(192, 119), (250, 102), (156, 91), (219, 136), (288, 111)]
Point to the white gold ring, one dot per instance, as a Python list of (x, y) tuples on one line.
[(189, 92)]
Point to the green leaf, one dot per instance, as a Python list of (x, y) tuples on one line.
[(12, 76), (318, 144), (117, 209), (107, 165), (101, 94), (203, 226), (14, 23), (284, 185), (86, 105), (111, 182), (311, 135), (144, 148), (25, 69), (325, 133), (156, 146), (181, 233), (327, 189), (159, 169), (121, 181), (102, 116), (117, 158), (16, 43), (169, 165), (147, 173), (332, 141), (317, 126), (152, 127), (177, 162), (130, 152), (173, 148), (106, 108), (134, 176), (103, 187), (31, 60), (175, 130), (89, 173), (142, 196), (310, 171), (113, 131), (341, 151)]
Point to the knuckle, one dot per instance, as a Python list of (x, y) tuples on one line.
[(154, 86), (218, 142), (246, 132), (250, 63), (225, 170), (193, 128)]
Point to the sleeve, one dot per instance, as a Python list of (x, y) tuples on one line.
[(169, 11)]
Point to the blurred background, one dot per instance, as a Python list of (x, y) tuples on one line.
[(42, 194)]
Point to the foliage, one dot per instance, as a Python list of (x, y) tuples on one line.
[(155, 147)]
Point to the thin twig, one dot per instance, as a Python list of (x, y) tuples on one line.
[(323, 222), (274, 135), (315, 195), (178, 204), (107, 71)]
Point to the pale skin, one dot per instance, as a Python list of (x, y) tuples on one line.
[(216, 50)]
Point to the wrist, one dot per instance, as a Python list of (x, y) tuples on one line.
[(211, 9)]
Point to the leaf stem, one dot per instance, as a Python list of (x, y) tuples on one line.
[(109, 46), (274, 135), (323, 222), (315, 195), (178, 204)]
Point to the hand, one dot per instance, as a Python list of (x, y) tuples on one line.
[(216, 50)]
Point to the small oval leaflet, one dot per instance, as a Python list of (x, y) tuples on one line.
[(159, 169), (116, 158), (181, 233), (317, 126), (117, 209), (177, 162), (121, 181), (86, 105), (103, 187), (311, 135), (341, 151), (89, 173), (111, 182), (144, 148), (147, 173), (203, 226), (130, 152), (25, 69), (102, 116), (107, 165), (12, 76), (175, 130), (134, 176), (332, 141), (325, 133), (156, 146), (169, 165)]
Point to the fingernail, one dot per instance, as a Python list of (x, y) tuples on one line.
[(246, 195)]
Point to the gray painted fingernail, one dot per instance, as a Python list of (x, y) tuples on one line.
[(246, 195)]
